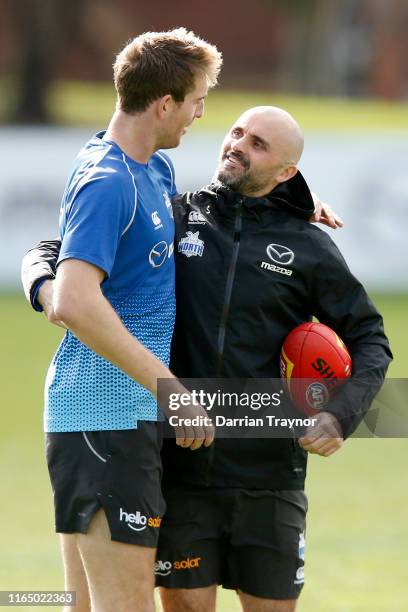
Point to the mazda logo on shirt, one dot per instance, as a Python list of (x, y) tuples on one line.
[(280, 254), (157, 255)]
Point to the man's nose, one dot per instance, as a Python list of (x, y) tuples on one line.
[(238, 144)]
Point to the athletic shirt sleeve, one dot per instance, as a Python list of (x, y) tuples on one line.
[(93, 222)]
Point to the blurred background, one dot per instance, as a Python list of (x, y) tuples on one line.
[(341, 68)]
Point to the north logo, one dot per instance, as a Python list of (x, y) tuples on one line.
[(191, 245), (280, 254)]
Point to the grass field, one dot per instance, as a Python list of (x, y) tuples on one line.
[(358, 532)]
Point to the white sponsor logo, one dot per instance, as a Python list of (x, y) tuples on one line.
[(207, 210), (272, 268), (167, 201), (159, 253), (280, 254), (300, 575), (156, 220), (162, 568), (317, 395), (191, 245), (137, 521), (302, 544), (196, 218)]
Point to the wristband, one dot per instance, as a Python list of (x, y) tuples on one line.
[(34, 293)]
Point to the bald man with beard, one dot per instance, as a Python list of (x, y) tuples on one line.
[(236, 511), (262, 150)]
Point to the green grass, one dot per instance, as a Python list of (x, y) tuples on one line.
[(83, 103), (394, 309), (357, 533)]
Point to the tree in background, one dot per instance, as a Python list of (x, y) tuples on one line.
[(42, 29), (320, 47), (53, 39), (350, 48)]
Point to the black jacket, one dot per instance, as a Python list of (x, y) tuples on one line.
[(235, 306), (234, 312)]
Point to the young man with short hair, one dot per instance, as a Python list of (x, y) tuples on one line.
[(114, 291)]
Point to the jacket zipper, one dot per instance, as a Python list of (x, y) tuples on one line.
[(224, 315), (228, 289)]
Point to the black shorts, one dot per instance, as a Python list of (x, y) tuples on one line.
[(249, 540), (117, 470)]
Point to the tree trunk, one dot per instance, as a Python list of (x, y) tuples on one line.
[(43, 26)]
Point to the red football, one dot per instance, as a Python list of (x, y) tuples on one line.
[(314, 361)]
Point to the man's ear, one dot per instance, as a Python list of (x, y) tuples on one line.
[(286, 174), (164, 105)]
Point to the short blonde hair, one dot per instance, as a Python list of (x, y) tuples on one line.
[(156, 64)]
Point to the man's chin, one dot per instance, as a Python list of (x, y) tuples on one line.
[(172, 143), (228, 178)]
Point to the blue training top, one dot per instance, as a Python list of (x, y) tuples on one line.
[(116, 214)]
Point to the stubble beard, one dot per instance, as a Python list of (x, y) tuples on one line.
[(243, 183)]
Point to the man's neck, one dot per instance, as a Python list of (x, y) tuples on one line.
[(134, 134)]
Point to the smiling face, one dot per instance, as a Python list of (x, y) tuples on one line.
[(179, 115), (260, 151)]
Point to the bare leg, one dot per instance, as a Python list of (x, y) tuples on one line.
[(189, 600), (74, 573), (120, 576), (258, 604)]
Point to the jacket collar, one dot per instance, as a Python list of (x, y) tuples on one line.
[(293, 195)]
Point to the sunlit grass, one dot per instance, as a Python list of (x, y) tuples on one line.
[(357, 530), (86, 103)]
